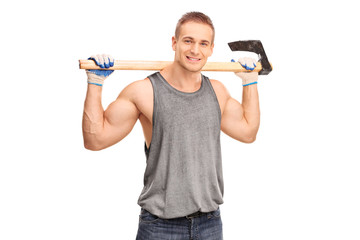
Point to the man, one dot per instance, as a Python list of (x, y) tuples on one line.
[(181, 113)]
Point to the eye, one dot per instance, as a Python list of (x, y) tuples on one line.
[(187, 41), (204, 44)]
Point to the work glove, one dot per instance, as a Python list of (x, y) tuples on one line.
[(98, 77), (248, 78)]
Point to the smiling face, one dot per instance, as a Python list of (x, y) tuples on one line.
[(193, 46)]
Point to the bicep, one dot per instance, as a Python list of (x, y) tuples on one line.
[(233, 122), (119, 119)]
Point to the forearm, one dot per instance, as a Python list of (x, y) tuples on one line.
[(93, 116), (251, 108)]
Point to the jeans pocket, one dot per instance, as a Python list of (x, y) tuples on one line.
[(147, 217)]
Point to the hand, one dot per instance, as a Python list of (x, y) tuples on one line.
[(98, 77), (248, 78)]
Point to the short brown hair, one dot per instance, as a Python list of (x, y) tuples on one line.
[(198, 17)]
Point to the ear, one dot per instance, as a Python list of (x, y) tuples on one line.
[(174, 41)]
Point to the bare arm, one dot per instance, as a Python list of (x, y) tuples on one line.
[(102, 129), (242, 121)]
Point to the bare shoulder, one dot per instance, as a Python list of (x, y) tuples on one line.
[(137, 90), (140, 94), (220, 89)]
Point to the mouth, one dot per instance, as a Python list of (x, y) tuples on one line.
[(192, 59)]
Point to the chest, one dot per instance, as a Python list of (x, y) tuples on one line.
[(179, 112), (174, 107)]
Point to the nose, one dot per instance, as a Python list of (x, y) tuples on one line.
[(195, 49)]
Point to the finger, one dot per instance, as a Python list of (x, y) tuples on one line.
[(111, 60), (106, 60), (245, 63), (242, 62), (254, 62), (95, 58), (249, 63), (100, 60)]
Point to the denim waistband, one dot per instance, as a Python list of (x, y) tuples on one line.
[(190, 216)]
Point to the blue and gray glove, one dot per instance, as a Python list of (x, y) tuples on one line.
[(97, 77), (248, 78)]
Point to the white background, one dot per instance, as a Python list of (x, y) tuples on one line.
[(299, 180)]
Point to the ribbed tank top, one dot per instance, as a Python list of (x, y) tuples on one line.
[(183, 171)]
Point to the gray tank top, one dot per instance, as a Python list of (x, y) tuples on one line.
[(183, 171)]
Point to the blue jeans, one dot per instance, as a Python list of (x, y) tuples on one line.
[(205, 227)]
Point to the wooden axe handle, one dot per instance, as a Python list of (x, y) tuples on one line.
[(159, 65)]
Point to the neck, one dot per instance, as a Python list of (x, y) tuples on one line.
[(181, 78)]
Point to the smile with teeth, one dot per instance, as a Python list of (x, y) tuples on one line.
[(193, 59)]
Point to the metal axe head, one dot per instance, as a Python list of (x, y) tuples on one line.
[(256, 47)]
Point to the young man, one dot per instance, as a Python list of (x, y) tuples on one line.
[(182, 113)]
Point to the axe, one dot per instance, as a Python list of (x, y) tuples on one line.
[(263, 67)]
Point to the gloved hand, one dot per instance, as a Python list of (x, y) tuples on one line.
[(248, 78), (98, 77)]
